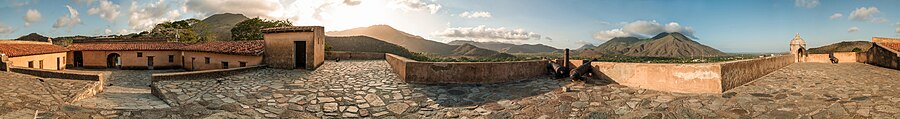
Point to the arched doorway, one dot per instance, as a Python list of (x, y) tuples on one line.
[(113, 61), (801, 55)]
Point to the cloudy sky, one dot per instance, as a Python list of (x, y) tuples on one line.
[(731, 26)]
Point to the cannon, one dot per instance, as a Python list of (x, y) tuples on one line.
[(582, 71), (557, 70), (833, 59)]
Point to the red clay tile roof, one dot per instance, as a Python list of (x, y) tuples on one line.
[(146, 46), (14, 50), (290, 29), (254, 47), (895, 46)]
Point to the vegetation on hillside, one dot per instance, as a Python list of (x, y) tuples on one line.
[(630, 59), (182, 31), (250, 29)]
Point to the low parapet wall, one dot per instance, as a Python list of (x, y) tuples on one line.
[(843, 57), (693, 78), (464, 72), (216, 73), (90, 91), (737, 73), (689, 78), (333, 55)]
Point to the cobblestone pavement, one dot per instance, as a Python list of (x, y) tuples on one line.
[(22, 96), (368, 89), (125, 89), (353, 89)]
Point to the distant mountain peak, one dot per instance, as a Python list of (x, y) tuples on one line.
[(666, 44)]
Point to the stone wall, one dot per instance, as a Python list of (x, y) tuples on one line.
[(332, 55), (465, 72), (843, 57), (880, 55), (737, 73)]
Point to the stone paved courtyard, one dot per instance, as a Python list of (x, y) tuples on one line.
[(125, 89), (22, 96), (368, 89)]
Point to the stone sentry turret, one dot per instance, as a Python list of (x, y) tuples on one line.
[(798, 49)]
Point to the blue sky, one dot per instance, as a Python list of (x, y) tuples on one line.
[(728, 25)]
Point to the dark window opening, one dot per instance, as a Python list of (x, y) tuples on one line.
[(224, 65), (57, 63), (140, 54), (207, 60), (243, 64), (41, 64), (30, 64), (171, 58)]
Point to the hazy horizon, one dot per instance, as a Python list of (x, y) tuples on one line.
[(730, 26)]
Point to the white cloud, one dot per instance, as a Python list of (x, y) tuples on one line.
[(416, 5), (69, 20), (853, 29), (609, 34), (6, 29), (644, 29), (897, 24), (145, 17), (864, 13), (106, 10), (84, 1), (107, 31), (475, 14), (483, 33), (836, 16), (32, 16), (352, 2), (123, 32), (251, 8), (806, 3)]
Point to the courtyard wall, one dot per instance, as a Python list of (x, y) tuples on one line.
[(740, 72), (843, 57), (465, 72), (691, 78)]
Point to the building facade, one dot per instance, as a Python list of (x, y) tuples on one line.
[(295, 47), (166, 55), (30, 54)]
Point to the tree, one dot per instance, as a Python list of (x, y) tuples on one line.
[(857, 50), (250, 29)]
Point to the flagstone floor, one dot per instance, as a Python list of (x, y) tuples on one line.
[(368, 89)]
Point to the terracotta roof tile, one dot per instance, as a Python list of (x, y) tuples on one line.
[(290, 29), (13, 50), (895, 46), (254, 47), (148, 46)]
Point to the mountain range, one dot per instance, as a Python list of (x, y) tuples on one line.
[(416, 43), (508, 47), (665, 44), (843, 46), (220, 25)]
